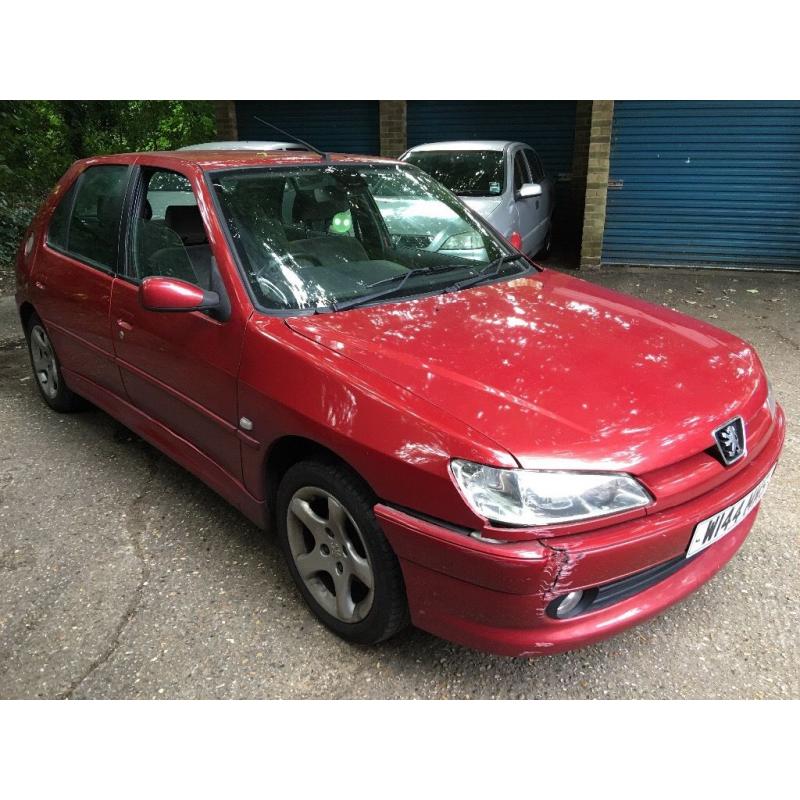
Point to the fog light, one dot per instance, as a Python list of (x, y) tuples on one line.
[(568, 603)]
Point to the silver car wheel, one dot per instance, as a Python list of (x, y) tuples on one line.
[(329, 553), (44, 361)]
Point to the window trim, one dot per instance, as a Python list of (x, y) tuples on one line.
[(74, 187)]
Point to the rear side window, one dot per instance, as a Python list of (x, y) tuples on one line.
[(93, 232)]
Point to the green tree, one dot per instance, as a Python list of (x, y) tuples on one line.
[(39, 139)]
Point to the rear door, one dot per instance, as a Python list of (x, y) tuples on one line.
[(178, 368), (74, 274)]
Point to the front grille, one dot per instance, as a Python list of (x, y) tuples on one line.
[(704, 471), (617, 591)]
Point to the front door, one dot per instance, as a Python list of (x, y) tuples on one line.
[(180, 368), (546, 199)]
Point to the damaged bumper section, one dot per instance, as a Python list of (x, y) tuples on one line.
[(503, 597)]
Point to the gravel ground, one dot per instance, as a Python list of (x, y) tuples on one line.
[(121, 576), (7, 279)]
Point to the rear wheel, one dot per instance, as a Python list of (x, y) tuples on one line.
[(47, 371), (337, 553)]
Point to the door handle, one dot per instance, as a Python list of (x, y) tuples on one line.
[(123, 327), (39, 285)]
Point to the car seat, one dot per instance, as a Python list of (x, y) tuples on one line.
[(188, 224)]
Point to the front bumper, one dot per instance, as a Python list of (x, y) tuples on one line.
[(494, 597)]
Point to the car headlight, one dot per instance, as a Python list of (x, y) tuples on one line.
[(463, 241), (530, 497)]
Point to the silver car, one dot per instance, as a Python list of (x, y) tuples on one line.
[(504, 182)]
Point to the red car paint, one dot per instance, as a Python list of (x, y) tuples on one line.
[(545, 371), (170, 294)]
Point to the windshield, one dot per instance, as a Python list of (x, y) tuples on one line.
[(327, 236), (474, 173)]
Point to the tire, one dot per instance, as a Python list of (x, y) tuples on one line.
[(47, 370), (334, 549)]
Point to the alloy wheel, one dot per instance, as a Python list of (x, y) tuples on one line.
[(44, 361), (329, 553)]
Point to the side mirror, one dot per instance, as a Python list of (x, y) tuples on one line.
[(530, 190), (170, 294)]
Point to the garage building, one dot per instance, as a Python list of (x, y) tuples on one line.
[(700, 183)]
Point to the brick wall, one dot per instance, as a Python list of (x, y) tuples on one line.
[(393, 127), (594, 210), (225, 117)]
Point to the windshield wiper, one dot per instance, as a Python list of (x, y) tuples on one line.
[(490, 270), (397, 282)]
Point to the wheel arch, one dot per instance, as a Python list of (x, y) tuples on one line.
[(289, 450), (26, 311)]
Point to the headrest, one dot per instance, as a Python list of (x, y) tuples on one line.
[(187, 223), (320, 204)]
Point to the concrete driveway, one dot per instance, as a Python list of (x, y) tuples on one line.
[(122, 576)]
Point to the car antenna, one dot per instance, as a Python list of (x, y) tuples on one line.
[(282, 132)]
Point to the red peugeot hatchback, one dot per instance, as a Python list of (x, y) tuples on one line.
[(439, 430)]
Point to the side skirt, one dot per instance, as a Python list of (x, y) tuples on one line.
[(172, 445)]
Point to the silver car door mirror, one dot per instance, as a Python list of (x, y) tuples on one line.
[(529, 190)]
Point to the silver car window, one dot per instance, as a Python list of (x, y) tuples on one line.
[(521, 175)]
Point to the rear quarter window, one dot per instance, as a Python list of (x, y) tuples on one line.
[(59, 221)]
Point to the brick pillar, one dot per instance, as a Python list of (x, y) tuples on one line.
[(393, 127), (580, 159), (225, 117), (594, 208)]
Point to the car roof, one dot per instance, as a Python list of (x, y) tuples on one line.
[(208, 160), (470, 144), (247, 144)]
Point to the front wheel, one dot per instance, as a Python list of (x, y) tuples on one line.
[(337, 553), (46, 369)]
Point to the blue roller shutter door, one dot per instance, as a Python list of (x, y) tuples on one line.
[(699, 182), (345, 126)]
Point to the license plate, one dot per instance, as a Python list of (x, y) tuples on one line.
[(714, 528)]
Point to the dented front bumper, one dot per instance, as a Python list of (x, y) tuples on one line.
[(494, 597)]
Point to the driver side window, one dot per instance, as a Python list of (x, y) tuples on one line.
[(520, 171), (169, 237), (535, 164)]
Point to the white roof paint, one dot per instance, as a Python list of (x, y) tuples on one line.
[(479, 144)]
